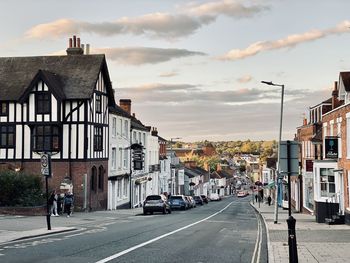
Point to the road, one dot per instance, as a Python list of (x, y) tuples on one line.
[(224, 231)]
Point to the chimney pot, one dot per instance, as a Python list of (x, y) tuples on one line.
[(125, 104), (73, 49), (78, 39), (74, 41), (70, 42)]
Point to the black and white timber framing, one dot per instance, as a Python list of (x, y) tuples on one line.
[(46, 101)]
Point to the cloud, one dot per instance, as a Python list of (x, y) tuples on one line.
[(289, 41), (168, 74), (209, 118), (189, 94), (244, 79), (145, 55), (154, 25)]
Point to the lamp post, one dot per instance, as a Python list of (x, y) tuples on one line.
[(171, 162), (279, 147)]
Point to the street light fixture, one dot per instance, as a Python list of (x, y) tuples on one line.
[(171, 162), (279, 147)]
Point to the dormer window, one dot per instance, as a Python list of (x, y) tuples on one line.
[(4, 111), (98, 104), (43, 102)]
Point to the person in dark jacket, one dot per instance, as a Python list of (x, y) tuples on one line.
[(269, 200), (68, 203), (53, 203)]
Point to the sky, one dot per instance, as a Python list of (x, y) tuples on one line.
[(193, 69)]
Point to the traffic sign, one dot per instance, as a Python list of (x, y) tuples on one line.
[(45, 164)]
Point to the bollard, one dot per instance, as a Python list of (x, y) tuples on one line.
[(292, 240)]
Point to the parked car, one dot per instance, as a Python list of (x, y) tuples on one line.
[(193, 203), (156, 203), (215, 197), (188, 201), (205, 199), (178, 202), (198, 200)]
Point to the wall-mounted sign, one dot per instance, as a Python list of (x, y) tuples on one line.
[(45, 160), (331, 147)]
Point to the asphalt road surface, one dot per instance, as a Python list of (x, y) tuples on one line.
[(226, 231)]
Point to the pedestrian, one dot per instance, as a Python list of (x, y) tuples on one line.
[(68, 203), (256, 198), (53, 203), (269, 200), (60, 200)]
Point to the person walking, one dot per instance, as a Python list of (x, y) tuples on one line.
[(53, 203), (269, 200), (68, 203), (256, 198)]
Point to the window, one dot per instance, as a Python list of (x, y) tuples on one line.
[(119, 190), (98, 104), (327, 181), (46, 138), (120, 158), (339, 137), (93, 179), (126, 127), (98, 139), (43, 102), (120, 127), (114, 158), (7, 136), (125, 187), (134, 137), (125, 159), (100, 177), (4, 109), (348, 136), (114, 127)]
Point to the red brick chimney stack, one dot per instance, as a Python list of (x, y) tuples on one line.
[(335, 101), (74, 47), (125, 104)]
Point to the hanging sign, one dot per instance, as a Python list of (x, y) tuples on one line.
[(331, 147)]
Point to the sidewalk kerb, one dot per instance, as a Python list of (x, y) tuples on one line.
[(269, 247)]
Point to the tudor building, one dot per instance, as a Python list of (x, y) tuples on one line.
[(58, 104)]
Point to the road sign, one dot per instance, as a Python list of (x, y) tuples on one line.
[(45, 164), (291, 157)]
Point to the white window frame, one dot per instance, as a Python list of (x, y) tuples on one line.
[(120, 159), (348, 135), (114, 127), (126, 126), (114, 158), (125, 159), (325, 134), (121, 127), (339, 134)]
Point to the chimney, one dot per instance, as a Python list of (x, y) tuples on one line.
[(74, 47), (125, 104), (304, 121), (154, 132), (335, 101)]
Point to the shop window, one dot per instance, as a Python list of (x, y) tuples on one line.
[(327, 182)]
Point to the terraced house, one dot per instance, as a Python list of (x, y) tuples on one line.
[(59, 105)]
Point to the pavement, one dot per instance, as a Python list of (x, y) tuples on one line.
[(316, 242), (14, 228)]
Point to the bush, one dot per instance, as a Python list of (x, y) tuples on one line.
[(19, 189)]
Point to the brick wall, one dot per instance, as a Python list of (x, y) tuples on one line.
[(61, 170)]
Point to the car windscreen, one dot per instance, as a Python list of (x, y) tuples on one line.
[(153, 197), (175, 197)]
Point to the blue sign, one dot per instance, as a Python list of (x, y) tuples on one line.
[(331, 147)]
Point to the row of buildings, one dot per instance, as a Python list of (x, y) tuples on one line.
[(322, 187), (65, 106)]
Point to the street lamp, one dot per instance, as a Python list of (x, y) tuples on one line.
[(171, 162), (279, 146)]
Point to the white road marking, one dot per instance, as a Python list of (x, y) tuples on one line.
[(257, 248), (117, 255)]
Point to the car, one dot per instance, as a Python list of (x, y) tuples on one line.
[(205, 199), (193, 203), (198, 200), (189, 203), (156, 203), (215, 197), (242, 193), (178, 202)]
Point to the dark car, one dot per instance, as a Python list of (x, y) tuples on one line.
[(205, 199), (178, 202), (156, 203), (198, 200)]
